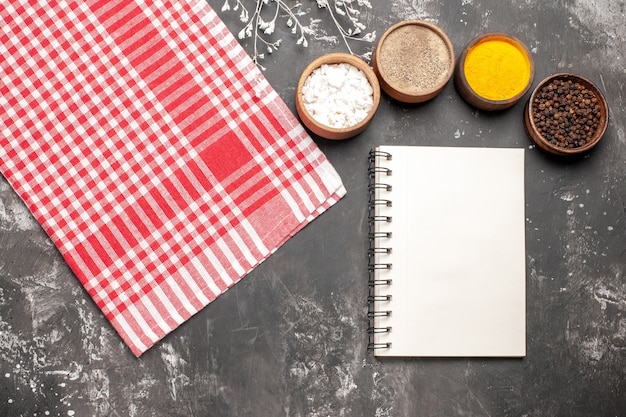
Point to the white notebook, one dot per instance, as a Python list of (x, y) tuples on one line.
[(447, 252)]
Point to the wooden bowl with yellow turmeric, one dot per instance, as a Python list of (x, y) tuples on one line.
[(494, 71)]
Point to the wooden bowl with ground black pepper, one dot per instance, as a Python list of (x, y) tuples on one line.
[(566, 114), (337, 96), (414, 60)]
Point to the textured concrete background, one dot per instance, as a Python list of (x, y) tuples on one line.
[(289, 340)]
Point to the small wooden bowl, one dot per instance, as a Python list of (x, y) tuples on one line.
[(414, 60), (534, 133), (478, 100), (329, 132)]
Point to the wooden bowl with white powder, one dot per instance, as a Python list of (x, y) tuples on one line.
[(414, 61), (337, 96)]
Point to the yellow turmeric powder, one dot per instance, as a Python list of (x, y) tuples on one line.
[(497, 68)]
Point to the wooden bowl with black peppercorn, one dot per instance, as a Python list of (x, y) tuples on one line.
[(566, 114)]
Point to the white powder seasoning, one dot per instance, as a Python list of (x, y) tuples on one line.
[(337, 95)]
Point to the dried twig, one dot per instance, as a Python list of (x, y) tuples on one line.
[(261, 16)]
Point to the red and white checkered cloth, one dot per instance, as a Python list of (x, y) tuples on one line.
[(152, 151)]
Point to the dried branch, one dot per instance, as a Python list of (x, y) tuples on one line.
[(261, 16)]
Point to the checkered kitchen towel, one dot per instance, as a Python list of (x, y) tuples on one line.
[(152, 151)]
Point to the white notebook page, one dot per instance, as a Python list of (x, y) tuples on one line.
[(458, 252)]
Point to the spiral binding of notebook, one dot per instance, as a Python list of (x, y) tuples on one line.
[(378, 248)]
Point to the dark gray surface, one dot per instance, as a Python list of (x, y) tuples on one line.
[(289, 340)]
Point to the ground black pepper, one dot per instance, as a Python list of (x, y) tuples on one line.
[(415, 59), (566, 113)]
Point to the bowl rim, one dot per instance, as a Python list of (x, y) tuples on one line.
[(320, 128), (483, 37), (428, 93), (542, 141)]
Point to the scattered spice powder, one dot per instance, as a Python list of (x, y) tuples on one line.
[(566, 113), (497, 68), (338, 95), (414, 59)]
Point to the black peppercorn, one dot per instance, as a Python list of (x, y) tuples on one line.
[(566, 113)]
